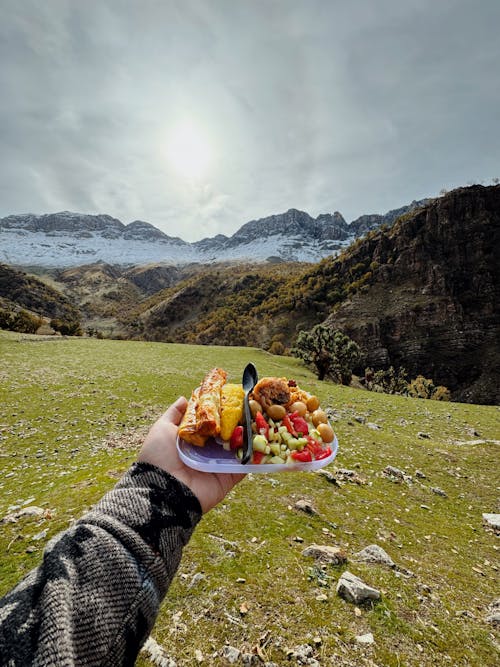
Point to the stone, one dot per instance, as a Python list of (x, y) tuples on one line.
[(391, 471), (494, 613), (305, 506), (31, 512), (439, 492), (374, 427), (157, 654), (196, 579), (375, 554), (425, 436), (231, 654), (198, 656), (326, 554), (420, 475), (492, 521), (353, 589), (365, 639)]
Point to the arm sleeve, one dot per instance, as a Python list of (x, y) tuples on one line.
[(96, 595)]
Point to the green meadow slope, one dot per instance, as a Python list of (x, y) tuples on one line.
[(72, 416)]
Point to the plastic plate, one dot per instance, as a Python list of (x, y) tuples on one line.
[(214, 458)]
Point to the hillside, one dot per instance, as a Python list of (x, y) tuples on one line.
[(19, 290), (243, 580), (422, 294)]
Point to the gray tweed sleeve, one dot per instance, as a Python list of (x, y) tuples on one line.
[(95, 597)]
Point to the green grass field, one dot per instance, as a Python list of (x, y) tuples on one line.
[(72, 415)]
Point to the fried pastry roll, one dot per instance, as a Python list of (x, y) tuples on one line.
[(208, 409), (188, 428)]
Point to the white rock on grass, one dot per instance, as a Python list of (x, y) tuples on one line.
[(365, 639), (492, 521), (374, 554), (326, 553), (32, 512), (353, 589), (231, 654), (494, 612), (157, 654), (305, 506)]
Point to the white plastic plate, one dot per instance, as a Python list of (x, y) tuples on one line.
[(214, 458)]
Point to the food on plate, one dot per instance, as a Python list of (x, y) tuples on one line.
[(288, 424), (231, 412), (202, 417)]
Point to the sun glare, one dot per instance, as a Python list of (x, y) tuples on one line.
[(188, 150)]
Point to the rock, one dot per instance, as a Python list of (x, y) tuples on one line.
[(328, 476), (196, 579), (326, 554), (494, 612), (492, 521), (198, 656), (353, 589), (231, 654), (304, 655), (374, 427), (240, 580), (251, 660), (365, 639), (439, 492), (40, 536), (305, 506), (391, 471), (375, 554), (425, 436), (157, 654), (31, 511), (321, 597), (420, 475)]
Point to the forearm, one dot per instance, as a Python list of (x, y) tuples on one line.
[(95, 597)]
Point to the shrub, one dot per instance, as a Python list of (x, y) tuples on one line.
[(422, 387), (330, 352)]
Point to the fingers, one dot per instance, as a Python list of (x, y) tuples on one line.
[(176, 411)]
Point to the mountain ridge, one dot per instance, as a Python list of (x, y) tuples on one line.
[(65, 239)]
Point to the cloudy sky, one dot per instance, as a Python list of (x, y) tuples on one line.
[(199, 115)]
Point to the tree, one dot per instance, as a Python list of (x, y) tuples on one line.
[(331, 352)]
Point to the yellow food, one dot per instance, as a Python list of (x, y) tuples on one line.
[(312, 403), (299, 407), (276, 412), (326, 432), (319, 417), (231, 409)]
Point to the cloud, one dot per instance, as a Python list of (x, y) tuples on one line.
[(320, 105)]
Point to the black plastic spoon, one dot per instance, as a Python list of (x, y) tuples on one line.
[(250, 379)]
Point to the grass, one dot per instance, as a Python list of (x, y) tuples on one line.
[(73, 411)]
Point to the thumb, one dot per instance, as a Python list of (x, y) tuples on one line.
[(176, 411)]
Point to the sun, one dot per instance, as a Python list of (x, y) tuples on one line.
[(188, 150)]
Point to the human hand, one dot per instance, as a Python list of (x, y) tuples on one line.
[(160, 449)]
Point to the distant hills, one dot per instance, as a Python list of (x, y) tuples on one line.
[(61, 240), (422, 294)]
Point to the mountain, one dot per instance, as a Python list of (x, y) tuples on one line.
[(423, 294), (71, 239), (20, 291)]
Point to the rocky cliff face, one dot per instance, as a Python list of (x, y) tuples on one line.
[(432, 302)]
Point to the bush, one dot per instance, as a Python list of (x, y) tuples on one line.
[(422, 387), (67, 328), (330, 352), (20, 321), (389, 381)]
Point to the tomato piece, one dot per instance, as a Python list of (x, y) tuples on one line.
[(289, 426), (325, 453), (304, 456), (236, 440), (262, 425), (257, 457), (299, 424)]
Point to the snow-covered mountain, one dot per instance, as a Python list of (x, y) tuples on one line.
[(71, 239)]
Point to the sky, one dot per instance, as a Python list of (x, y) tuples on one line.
[(200, 115)]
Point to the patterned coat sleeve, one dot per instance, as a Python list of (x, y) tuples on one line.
[(95, 597)]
